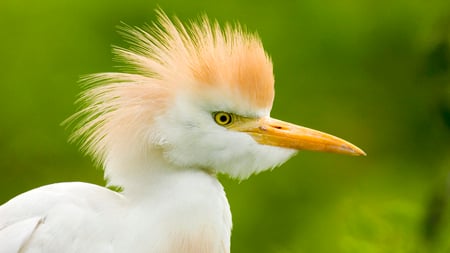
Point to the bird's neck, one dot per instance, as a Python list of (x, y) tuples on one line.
[(140, 173), (191, 202)]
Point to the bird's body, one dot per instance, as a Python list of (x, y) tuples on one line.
[(196, 103), (189, 211)]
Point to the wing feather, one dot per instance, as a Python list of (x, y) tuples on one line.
[(15, 236)]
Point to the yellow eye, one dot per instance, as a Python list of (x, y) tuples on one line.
[(223, 118)]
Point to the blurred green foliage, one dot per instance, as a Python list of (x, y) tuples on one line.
[(373, 72)]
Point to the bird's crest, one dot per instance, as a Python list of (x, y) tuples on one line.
[(163, 59)]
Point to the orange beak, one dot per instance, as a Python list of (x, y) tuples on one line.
[(278, 133)]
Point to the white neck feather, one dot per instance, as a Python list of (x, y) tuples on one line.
[(187, 207)]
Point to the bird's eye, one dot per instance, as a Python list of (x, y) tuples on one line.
[(223, 118)]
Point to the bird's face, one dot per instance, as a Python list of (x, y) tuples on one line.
[(200, 94), (219, 133)]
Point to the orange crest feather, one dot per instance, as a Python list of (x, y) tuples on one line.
[(167, 58)]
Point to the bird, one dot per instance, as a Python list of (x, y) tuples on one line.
[(191, 102)]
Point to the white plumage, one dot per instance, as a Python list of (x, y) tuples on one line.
[(195, 103)]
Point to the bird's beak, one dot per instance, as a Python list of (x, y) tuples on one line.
[(275, 132)]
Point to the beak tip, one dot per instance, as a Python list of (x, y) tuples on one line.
[(349, 149), (361, 154), (358, 152)]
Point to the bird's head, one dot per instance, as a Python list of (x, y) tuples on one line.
[(199, 95)]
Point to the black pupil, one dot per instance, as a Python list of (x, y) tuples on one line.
[(223, 118)]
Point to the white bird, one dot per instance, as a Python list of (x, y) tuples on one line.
[(195, 103)]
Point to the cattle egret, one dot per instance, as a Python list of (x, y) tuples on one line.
[(193, 103)]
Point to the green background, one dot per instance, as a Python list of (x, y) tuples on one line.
[(373, 72)]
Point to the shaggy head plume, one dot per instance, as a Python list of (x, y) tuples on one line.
[(164, 59)]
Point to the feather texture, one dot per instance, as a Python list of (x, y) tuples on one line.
[(166, 59)]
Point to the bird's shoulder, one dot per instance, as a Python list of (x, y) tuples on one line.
[(32, 215), (42, 200)]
